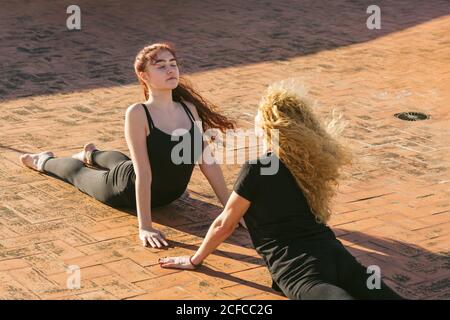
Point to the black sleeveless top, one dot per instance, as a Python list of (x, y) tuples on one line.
[(172, 160)]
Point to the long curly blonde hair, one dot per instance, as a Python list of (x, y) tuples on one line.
[(310, 150)]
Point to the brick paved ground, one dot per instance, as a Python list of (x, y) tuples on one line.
[(60, 89)]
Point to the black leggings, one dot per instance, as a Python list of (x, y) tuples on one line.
[(328, 291), (334, 275), (109, 185)]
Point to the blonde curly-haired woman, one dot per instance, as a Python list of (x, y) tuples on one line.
[(286, 212)]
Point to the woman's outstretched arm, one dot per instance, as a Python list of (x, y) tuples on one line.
[(137, 144), (222, 227)]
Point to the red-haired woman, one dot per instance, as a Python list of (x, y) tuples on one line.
[(151, 178)]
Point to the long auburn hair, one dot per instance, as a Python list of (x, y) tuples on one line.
[(311, 151), (184, 91)]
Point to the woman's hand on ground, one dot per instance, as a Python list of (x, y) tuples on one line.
[(153, 237), (182, 262)]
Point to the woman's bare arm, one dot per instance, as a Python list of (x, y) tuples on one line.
[(136, 137), (223, 226), (219, 231)]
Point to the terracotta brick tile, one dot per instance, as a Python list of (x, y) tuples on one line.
[(97, 295), (172, 293), (226, 264), (119, 222), (265, 296), (391, 208), (129, 270), (60, 249), (86, 273), (435, 219), (85, 224), (219, 278), (208, 291), (101, 246), (115, 233), (259, 275), (145, 257), (402, 221), (26, 240), (47, 263), (5, 232), (18, 252), (73, 236), (6, 265), (167, 281), (117, 286), (33, 280), (95, 259), (158, 271), (434, 231), (11, 289), (361, 225)]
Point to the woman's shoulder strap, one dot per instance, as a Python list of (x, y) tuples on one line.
[(149, 117), (187, 110)]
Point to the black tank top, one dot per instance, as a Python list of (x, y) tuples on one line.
[(170, 179)]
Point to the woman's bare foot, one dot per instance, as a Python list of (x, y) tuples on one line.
[(85, 155), (35, 160)]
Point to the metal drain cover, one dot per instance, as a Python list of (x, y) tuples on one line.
[(412, 116)]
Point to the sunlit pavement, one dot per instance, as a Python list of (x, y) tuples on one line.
[(60, 89)]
